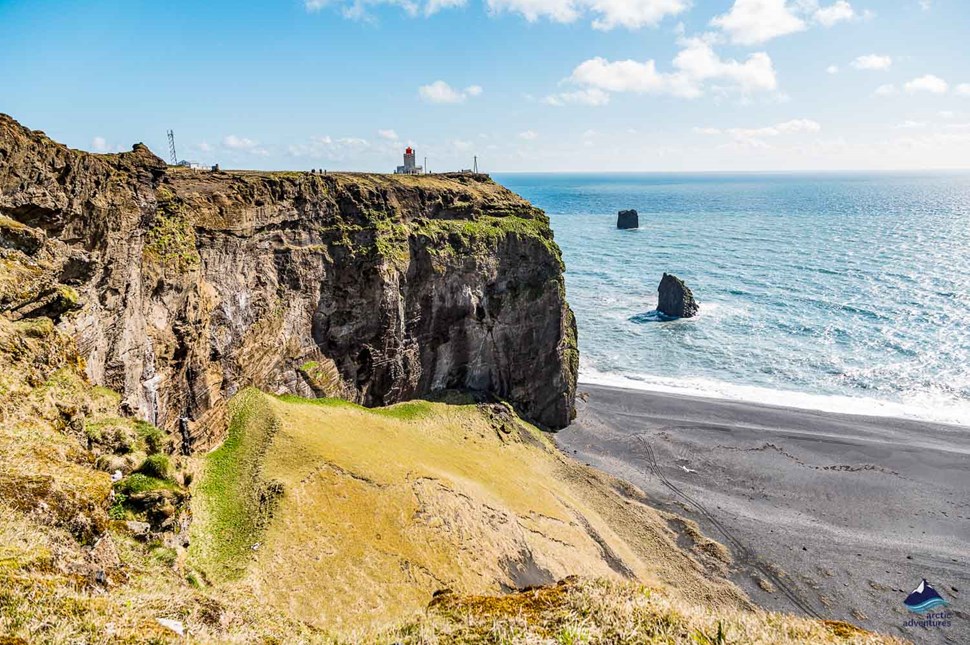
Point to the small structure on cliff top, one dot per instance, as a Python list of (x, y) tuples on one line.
[(409, 167), (674, 298), (627, 219)]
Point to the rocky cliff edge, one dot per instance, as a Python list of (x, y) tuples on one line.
[(181, 287)]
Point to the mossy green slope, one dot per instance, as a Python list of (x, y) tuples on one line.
[(350, 518)]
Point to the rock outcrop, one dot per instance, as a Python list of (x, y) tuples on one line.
[(192, 285), (674, 298), (627, 219)]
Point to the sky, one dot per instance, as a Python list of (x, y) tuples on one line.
[(526, 85)]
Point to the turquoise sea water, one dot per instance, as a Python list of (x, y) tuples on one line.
[(841, 292)]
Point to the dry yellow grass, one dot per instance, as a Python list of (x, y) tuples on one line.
[(358, 517), (600, 611), (380, 509)]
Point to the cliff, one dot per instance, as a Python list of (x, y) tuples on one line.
[(315, 519), (184, 287)]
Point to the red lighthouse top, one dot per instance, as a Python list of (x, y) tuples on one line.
[(408, 151)]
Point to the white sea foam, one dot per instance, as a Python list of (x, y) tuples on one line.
[(837, 293), (940, 411)]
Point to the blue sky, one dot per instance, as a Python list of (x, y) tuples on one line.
[(527, 85)]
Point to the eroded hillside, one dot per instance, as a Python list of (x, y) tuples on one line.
[(350, 519), (319, 521)]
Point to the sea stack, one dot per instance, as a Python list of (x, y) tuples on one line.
[(674, 298), (627, 219)]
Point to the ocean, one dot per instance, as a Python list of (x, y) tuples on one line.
[(843, 292)]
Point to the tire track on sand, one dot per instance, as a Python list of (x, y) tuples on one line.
[(745, 555)]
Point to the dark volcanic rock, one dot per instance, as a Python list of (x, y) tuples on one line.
[(627, 219), (193, 285), (674, 298)]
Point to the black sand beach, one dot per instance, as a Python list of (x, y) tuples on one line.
[(835, 516)]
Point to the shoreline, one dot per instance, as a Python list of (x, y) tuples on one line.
[(762, 396), (831, 515)]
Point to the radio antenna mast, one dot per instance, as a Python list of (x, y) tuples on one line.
[(476, 165), (171, 148)]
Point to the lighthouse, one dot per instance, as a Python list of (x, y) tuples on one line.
[(409, 167)]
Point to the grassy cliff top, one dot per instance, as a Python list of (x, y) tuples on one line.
[(230, 193)]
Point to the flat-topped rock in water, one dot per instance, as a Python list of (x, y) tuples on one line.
[(674, 298), (627, 219)]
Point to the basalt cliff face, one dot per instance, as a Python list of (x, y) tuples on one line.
[(182, 287)]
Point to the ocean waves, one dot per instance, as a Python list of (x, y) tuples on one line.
[(841, 293)]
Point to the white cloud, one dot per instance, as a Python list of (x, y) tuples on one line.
[(872, 61), (590, 96), (926, 5), (750, 22), (928, 83), (360, 9), (698, 61), (752, 137), (99, 144), (963, 89), (832, 69), (910, 125), (631, 76), (434, 6), (696, 66), (797, 125), (533, 10), (885, 90), (634, 14), (529, 135), (608, 14), (390, 135), (238, 143), (441, 92), (341, 149), (947, 114), (840, 11)]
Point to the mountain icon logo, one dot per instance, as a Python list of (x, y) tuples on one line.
[(923, 598)]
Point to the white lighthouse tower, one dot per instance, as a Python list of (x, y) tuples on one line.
[(409, 167)]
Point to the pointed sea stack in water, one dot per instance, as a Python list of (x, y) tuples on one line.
[(674, 298), (627, 219)]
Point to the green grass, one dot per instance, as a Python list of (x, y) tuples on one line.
[(230, 518), (156, 466), (143, 435), (153, 438), (327, 402), (142, 483), (484, 232), (171, 238), (407, 411)]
